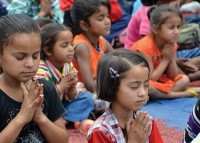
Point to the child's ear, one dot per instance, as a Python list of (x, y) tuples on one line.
[(84, 25), (47, 51), (154, 29)]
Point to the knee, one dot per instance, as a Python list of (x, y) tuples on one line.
[(185, 80)]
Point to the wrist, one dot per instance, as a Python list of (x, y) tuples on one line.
[(20, 120), (41, 120), (59, 89), (70, 95)]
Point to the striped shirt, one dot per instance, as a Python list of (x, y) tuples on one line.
[(193, 125)]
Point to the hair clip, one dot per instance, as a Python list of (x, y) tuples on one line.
[(114, 74)]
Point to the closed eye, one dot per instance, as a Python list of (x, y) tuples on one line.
[(36, 55)]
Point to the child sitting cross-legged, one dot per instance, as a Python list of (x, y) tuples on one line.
[(56, 67)]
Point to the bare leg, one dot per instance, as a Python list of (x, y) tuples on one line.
[(181, 84), (157, 94), (194, 76)]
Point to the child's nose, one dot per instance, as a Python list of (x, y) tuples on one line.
[(176, 30), (29, 62), (142, 91), (107, 20), (71, 48)]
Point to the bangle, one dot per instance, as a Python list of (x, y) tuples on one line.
[(59, 89)]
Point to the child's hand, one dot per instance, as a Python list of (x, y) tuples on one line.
[(138, 128), (69, 81), (30, 100), (186, 66), (168, 52), (74, 81), (38, 112), (45, 8)]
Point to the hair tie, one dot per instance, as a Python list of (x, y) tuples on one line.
[(114, 74)]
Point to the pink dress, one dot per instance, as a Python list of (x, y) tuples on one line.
[(138, 25)]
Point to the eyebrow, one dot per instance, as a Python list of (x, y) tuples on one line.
[(138, 81), (25, 53)]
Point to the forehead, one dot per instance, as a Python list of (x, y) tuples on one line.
[(24, 42), (139, 72), (65, 35), (174, 20), (101, 10)]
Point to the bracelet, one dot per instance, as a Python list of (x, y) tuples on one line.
[(59, 90)]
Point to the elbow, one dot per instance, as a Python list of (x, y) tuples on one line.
[(63, 138), (90, 88)]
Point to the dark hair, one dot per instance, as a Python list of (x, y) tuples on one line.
[(149, 2), (49, 36), (42, 21), (15, 24), (155, 2), (160, 14), (121, 61), (82, 10)]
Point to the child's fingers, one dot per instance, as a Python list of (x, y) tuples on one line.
[(24, 90), (144, 122), (28, 84), (38, 100), (35, 92), (147, 128), (41, 89), (128, 124), (139, 118)]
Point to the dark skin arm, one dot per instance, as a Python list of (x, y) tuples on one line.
[(82, 53), (109, 48)]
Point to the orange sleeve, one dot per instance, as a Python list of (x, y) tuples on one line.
[(116, 12), (143, 46), (98, 137), (155, 136)]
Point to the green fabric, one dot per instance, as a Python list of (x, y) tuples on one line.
[(190, 34), (31, 8)]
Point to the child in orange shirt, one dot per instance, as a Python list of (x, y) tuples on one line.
[(91, 19), (166, 80)]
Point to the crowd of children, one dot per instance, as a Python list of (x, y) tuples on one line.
[(55, 72)]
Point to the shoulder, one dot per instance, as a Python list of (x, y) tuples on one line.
[(43, 71), (80, 39), (145, 43), (104, 122), (81, 43)]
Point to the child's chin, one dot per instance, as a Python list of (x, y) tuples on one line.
[(106, 33), (25, 79)]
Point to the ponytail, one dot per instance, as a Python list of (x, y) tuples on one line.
[(69, 23)]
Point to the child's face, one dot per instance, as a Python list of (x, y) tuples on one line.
[(20, 58), (63, 51), (133, 90), (100, 22), (169, 31)]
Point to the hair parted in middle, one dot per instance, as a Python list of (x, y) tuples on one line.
[(158, 15), (119, 61), (82, 10), (49, 35)]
